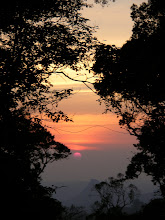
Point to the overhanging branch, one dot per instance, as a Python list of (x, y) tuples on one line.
[(78, 80)]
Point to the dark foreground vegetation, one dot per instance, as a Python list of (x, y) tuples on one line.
[(41, 38)]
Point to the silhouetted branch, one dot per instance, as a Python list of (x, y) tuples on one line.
[(78, 80)]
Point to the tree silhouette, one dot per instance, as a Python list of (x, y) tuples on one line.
[(114, 196), (151, 154), (37, 38), (26, 148), (37, 41), (131, 83)]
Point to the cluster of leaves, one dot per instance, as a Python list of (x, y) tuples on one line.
[(103, 2)]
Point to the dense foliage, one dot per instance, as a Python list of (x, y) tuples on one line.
[(131, 84), (36, 39)]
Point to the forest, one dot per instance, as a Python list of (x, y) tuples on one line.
[(38, 39)]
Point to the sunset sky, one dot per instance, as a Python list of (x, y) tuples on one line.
[(105, 148)]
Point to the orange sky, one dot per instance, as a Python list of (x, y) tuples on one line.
[(104, 146), (90, 129)]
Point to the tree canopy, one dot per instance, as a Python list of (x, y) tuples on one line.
[(131, 83), (114, 195), (36, 39)]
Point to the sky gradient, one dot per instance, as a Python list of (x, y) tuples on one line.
[(113, 21), (106, 148)]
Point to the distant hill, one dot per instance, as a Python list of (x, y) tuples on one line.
[(77, 193), (68, 190), (86, 197)]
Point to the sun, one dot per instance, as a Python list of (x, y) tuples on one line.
[(77, 155)]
